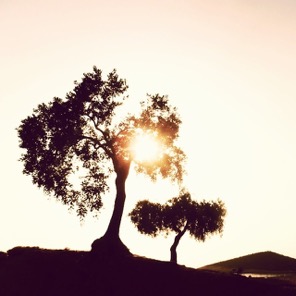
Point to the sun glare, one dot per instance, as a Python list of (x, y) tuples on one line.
[(145, 147)]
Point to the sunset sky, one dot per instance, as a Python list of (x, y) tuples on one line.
[(228, 66)]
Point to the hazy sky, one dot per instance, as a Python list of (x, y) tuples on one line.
[(228, 66)]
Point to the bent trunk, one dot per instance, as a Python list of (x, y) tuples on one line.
[(110, 245), (174, 246), (114, 224)]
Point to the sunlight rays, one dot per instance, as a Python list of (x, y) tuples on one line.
[(145, 147)]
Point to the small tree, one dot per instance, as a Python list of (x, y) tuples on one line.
[(178, 215), (79, 135)]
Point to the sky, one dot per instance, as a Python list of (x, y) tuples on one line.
[(227, 65)]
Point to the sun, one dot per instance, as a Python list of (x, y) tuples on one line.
[(145, 147)]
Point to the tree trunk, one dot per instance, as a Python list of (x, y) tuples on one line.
[(114, 224), (174, 246), (110, 245)]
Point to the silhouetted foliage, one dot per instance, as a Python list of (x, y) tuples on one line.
[(179, 214), (79, 136)]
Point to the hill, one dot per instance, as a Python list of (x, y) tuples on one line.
[(34, 271), (263, 262)]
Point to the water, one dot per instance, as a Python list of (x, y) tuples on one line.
[(260, 275)]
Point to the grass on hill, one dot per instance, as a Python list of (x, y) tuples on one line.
[(35, 271)]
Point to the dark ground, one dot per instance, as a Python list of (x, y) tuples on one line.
[(34, 271)]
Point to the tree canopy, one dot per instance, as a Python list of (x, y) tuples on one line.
[(79, 135), (178, 215)]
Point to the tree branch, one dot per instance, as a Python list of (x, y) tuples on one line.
[(184, 229), (105, 137), (96, 125), (97, 144)]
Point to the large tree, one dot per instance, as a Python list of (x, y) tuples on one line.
[(178, 215), (80, 135)]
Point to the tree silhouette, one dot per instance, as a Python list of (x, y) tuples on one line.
[(80, 136), (179, 214)]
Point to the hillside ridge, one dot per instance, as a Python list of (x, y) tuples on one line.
[(261, 262)]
